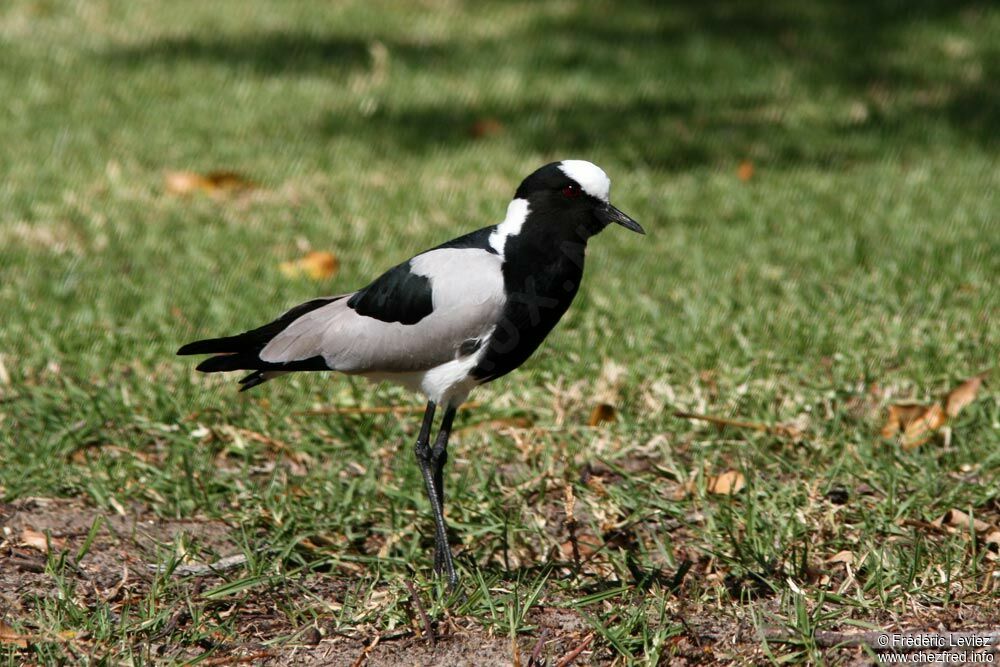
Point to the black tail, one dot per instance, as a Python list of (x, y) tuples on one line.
[(242, 351), (216, 345)]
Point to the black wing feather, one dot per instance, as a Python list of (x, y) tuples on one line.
[(398, 295), (242, 351), (255, 339)]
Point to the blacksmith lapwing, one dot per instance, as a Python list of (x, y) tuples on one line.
[(449, 319)]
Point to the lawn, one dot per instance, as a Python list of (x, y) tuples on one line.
[(818, 182)]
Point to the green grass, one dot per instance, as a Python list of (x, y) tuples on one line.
[(857, 267)]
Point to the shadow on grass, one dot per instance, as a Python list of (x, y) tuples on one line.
[(674, 85), (269, 53)]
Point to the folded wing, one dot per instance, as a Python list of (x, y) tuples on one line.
[(416, 316)]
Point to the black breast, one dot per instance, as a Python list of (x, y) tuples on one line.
[(541, 279)]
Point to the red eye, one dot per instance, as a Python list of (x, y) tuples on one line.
[(571, 191)]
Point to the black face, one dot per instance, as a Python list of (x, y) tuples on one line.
[(562, 205)]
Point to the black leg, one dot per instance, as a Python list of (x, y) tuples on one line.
[(425, 458), (439, 457), (422, 449)]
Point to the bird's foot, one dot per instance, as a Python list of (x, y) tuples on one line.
[(444, 566)]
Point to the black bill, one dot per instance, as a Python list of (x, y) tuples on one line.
[(611, 214)]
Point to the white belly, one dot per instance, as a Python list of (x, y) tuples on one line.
[(449, 383)]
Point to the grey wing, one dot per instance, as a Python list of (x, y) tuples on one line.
[(467, 297)]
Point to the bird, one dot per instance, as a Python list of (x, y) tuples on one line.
[(448, 319)]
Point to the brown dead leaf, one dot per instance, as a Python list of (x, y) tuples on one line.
[(745, 171), (178, 314), (586, 545), (213, 183), (921, 429), (845, 557), (728, 483), (919, 422), (35, 540), (486, 127), (709, 379), (318, 265), (602, 413), (959, 519), (963, 395), (183, 182), (9, 635), (901, 415), (228, 181), (596, 484)]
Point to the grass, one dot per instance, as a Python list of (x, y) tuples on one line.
[(856, 267)]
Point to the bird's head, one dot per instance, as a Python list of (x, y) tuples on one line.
[(573, 194)]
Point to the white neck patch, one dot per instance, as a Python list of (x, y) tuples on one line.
[(517, 212), (591, 178)]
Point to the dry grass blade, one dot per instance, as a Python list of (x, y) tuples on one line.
[(256, 657), (930, 526), (535, 660), (376, 410), (723, 421), (781, 430), (571, 657), (198, 570), (495, 425), (363, 656), (428, 629)]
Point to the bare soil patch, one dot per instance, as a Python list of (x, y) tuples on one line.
[(115, 570)]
